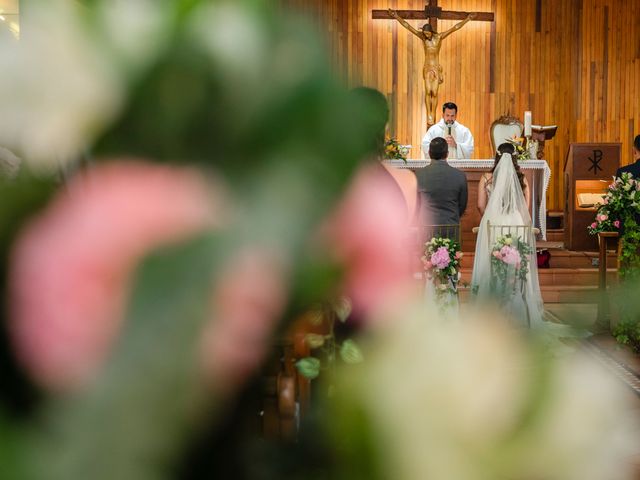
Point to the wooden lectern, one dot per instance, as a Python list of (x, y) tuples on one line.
[(588, 170)]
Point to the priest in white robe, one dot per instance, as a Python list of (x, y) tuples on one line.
[(458, 136)]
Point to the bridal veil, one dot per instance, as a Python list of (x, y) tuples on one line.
[(507, 212)]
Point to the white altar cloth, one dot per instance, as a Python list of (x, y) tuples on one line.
[(541, 176)]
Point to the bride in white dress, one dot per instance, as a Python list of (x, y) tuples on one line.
[(503, 199)]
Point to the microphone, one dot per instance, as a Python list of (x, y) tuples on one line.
[(449, 129)]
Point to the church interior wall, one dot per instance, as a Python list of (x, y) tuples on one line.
[(574, 63)]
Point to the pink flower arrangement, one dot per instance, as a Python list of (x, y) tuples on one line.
[(509, 250), (510, 256), (440, 259), (364, 233), (442, 263), (71, 266), (621, 200)]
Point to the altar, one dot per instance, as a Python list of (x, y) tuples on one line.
[(537, 173)]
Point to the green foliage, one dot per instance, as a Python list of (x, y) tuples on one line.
[(629, 257), (619, 212), (285, 138), (350, 352), (627, 332), (328, 347), (149, 396), (309, 367)]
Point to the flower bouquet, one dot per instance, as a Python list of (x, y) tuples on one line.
[(603, 223), (622, 197), (509, 265), (442, 266), (621, 207), (394, 151), (521, 153)]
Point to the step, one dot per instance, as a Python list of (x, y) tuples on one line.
[(555, 235), (561, 259), (563, 276), (553, 294)]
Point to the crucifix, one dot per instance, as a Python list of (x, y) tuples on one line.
[(431, 40)]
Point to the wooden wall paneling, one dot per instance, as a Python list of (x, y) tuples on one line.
[(575, 63)]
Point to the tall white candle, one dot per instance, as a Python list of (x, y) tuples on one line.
[(527, 124)]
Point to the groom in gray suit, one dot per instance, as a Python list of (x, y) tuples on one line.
[(443, 192)]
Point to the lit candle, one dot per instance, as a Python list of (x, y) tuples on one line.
[(527, 124)]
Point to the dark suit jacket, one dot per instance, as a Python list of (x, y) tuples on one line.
[(443, 193), (633, 169)]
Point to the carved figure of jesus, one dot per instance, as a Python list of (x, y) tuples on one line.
[(432, 70)]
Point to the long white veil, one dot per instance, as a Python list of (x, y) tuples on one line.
[(507, 207)]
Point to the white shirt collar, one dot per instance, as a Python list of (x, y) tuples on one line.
[(443, 125)]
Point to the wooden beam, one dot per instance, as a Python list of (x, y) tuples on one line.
[(421, 15), (480, 16)]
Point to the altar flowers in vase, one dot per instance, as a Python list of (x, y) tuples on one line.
[(441, 261)]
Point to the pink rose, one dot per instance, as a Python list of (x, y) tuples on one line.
[(602, 217), (248, 300), (365, 233), (510, 255), (605, 200), (497, 254), (440, 259), (616, 224), (459, 255), (71, 266), (594, 225), (427, 265)]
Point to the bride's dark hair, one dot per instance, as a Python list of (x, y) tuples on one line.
[(510, 149)]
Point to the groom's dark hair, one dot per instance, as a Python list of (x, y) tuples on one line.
[(438, 149)]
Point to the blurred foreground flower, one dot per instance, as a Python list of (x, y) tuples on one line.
[(370, 232), (72, 266), (474, 401), (248, 303)]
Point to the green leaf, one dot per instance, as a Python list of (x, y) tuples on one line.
[(343, 308), (150, 394), (314, 340), (350, 352), (308, 367)]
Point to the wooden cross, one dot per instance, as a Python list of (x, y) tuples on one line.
[(432, 12)]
